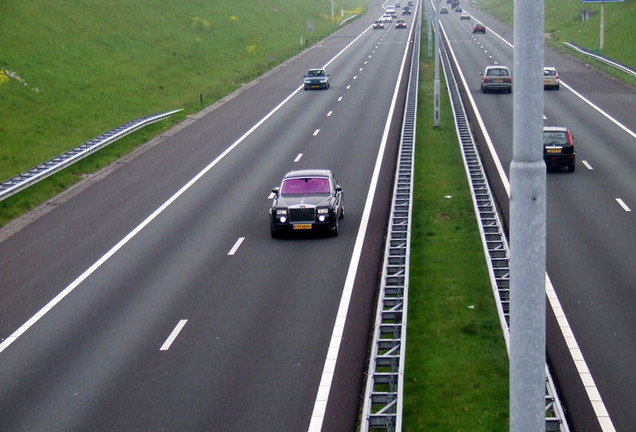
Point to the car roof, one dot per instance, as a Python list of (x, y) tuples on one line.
[(498, 67), (555, 129), (549, 68), (316, 69), (308, 173)]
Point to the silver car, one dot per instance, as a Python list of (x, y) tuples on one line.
[(550, 78), (496, 78)]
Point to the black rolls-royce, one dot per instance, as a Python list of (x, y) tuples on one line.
[(307, 200)]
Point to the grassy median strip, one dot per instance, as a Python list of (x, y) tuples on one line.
[(456, 363)]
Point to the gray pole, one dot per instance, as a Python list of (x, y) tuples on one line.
[(436, 83), (429, 20), (527, 224), (602, 25)]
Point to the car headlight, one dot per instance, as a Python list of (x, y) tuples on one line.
[(281, 212), (323, 211)]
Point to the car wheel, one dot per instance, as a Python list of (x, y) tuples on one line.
[(572, 167), (335, 228), (341, 212), (275, 233), (557, 87)]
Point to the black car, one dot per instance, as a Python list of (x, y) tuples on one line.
[(307, 200), (558, 148)]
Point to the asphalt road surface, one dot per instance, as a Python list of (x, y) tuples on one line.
[(153, 298)]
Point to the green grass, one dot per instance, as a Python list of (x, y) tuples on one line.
[(456, 375), (563, 23), (74, 69)]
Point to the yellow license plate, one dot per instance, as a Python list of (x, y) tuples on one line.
[(547, 82), (554, 150), (302, 226), (497, 80)]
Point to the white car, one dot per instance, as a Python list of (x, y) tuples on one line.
[(464, 15), (386, 18), (550, 78)]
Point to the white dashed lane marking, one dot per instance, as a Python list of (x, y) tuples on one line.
[(173, 335), (236, 246)]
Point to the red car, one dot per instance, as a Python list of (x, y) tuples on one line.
[(479, 28)]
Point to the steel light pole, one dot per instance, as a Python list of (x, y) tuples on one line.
[(527, 224)]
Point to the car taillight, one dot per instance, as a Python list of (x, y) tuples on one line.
[(570, 138), (485, 80), (510, 78)]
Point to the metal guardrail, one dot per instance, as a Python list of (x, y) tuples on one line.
[(58, 163), (383, 400), (494, 239), (600, 58)]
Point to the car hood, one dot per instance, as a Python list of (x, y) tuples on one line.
[(299, 200)]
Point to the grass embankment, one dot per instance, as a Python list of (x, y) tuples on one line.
[(564, 23), (456, 363), (71, 70)]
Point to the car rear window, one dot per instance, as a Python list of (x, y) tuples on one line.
[(555, 138), (549, 72), (306, 185), (497, 72)]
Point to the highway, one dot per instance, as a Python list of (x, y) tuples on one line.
[(152, 297), (591, 230)]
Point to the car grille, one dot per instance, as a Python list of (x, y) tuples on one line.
[(307, 214)]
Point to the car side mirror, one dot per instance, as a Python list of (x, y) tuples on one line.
[(276, 190), (338, 189), (481, 74)]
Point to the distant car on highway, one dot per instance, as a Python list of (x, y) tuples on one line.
[(496, 78), (400, 24), (479, 28), (459, 9), (551, 78), (378, 25), (558, 148), (464, 15), (406, 10), (386, 18), (307, 200), (316, 79), (443, 10)]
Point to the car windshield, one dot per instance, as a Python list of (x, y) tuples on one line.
[(306, 185), (555, 138), (316, 73), (497, 72)]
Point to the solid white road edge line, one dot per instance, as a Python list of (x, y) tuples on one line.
[(320, 405), (173, 335), (590, 387), (66, 291)]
